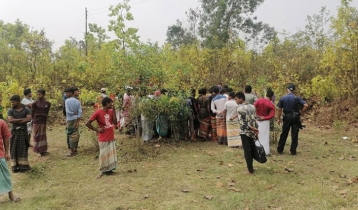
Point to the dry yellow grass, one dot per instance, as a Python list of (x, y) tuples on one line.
[(180, 176)]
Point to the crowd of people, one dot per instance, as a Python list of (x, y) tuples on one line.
[(219, 114)]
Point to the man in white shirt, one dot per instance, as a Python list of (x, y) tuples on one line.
[(217, 107), (232, 125), (27, 101)]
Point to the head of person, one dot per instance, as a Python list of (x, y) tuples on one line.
[(15, 101), (27, 92), (76, 91), (224, 91), (202, 91), (216, 90), (248, 89), (240, 97), (69, 92), (205, 91), (103, 90), (129, 90), (157, 93), (41, 94), (269, 94), (192, 92), (107, 102), (291, 87), (232, 95)]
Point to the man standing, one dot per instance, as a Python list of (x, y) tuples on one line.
[(214, 135), (39, 111), (249, 97), (265, 110), (106, 120), (73, 116), (19, 115), (27, 101), (247, 120), (289, 105), (232, 126), (217, 106), (5, 180), (127, 104)]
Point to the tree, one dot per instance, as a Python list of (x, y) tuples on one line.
[(225, 20), (126, 36)]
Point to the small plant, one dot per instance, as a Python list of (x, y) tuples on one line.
[(339, 124)]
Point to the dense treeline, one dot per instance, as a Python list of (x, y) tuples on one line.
[(322, 59)]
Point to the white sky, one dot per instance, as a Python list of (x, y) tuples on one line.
[(62, 19)]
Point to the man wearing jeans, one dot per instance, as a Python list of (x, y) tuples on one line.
[(289, 105)]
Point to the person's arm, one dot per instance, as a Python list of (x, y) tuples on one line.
[(11, 119), (279, 115), (305, 106), (213, 107), (27, 119), (79, 111), (234, 117), (90, 126), (7, 148), (271, 114), (304, 109), (6, 137), (114, 116), (33, 109), (67, 107), (48, 108)]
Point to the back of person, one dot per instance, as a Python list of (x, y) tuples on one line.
[(289, 103), (250, 98), (231, 109)]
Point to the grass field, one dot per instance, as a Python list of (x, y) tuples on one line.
[(186, 175)]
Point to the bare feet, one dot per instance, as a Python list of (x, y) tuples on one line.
[(99, 175), (13, 198), (249, 173)]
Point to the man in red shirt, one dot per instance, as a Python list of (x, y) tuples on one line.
[(107, 121), (5, 180), (265, 110)]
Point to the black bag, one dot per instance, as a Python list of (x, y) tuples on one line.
[(259, 152)]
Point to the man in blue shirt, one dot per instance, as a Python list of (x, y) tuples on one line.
[(289, 105), (73, 115)]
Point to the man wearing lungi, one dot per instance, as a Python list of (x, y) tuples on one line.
[(265, 110), (39, 111), (73, 117), (5, 179), (107, 121), (217, 107), (19, 115)]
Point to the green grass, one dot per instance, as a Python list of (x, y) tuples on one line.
[(319, 178)]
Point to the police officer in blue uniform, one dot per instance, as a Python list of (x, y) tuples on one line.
[(289, 105)]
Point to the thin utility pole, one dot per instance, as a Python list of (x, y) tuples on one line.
[(86, 32)]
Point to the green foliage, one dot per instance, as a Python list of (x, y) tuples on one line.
[(339, 125), (320, 63)]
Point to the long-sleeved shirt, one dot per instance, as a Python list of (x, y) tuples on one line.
[(73, 105), (247, 118), (265, 108), (218, 105)]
